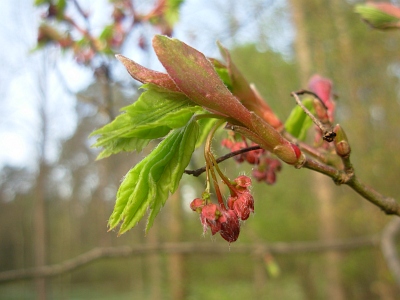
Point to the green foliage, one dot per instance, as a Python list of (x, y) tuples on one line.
[(107, 32), (172, 12), (223, 73), (152, 116), (40, 2), (298, 122), (157, 113), (148, 184), (379, 16)]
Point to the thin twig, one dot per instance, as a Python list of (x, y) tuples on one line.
[(200, 171), (303, 92), (327, 133)]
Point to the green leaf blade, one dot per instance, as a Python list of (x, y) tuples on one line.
[(298, 122), (148, 185), (152, 116)]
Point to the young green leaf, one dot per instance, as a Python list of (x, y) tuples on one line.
[(125, 145), (298, 122), (205, 126), (152, 116), (148, 184), (224, 75)]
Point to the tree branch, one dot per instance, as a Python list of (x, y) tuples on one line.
[(389, 205), (200, 171), (187, 248)]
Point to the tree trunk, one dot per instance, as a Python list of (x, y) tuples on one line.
[(39, 221), (39, 207), (321, 185)]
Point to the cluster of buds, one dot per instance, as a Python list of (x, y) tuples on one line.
[(266, 166), (222, 218)]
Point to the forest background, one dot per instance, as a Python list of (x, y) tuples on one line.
[(308, 239)]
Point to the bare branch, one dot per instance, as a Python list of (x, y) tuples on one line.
[(187, 248), (389, 205)]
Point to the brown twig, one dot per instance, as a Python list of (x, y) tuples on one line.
[(327, 132), (200, 171), (389, 205)]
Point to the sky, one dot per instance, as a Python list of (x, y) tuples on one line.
[(35, 82)]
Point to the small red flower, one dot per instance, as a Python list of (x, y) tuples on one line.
[(209, 216), (197, 204), (230, 229), (243, 181), (242, 205)]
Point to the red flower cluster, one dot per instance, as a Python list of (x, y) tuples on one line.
[(226, 220), (267, 167), (267, 170)]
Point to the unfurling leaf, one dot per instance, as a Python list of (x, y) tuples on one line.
[(298, 122), (145, 75), (195, 76), (148, 185), (152, 116), (247, 94)]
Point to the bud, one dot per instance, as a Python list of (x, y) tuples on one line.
[(323, 88), (341, 143), (380, 15), (321, 111)]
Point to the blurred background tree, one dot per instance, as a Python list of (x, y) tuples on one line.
[(55, 203)]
